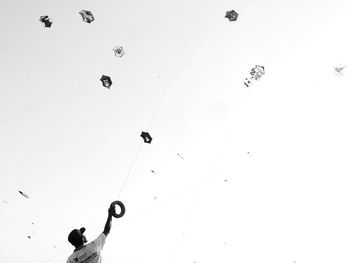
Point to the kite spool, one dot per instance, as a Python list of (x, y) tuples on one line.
[(122, 208)]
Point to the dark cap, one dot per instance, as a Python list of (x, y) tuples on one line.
[(75, 236)]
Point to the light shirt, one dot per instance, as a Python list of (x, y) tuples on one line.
[(91, 253)]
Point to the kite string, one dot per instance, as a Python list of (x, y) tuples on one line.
[(154, 114), (170, 198), (177, 63), (176, 246), (150, 125), (130, 169)]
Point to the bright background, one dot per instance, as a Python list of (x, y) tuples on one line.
[(264, 174)]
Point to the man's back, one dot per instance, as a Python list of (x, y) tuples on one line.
[(90, 253)]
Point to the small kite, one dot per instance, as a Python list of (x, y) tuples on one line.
[(46, 20), (25, 195), (153, 171), (180, 156), (146, 137), (339, 70), (232, 15), (106, 81), (118, 51), (5, 202), (255, 74), (30, 236), (87, 16)]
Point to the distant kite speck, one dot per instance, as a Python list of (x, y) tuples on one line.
[(339, 69), (24, 194), (180, 156)]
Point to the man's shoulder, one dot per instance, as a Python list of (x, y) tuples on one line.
[(99, 241), (101, 236)]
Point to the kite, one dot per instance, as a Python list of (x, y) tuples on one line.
[(153, 171), (118, 51), (106, 81), (232, 15), (180, 156), (5, 202), (25, 195), (87, 16), (339, 70), (255, 74), (46, 20), (146, 137)]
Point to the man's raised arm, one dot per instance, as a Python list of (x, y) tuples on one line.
[(108, 224)]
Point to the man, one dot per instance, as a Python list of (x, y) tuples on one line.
[(91, 252)]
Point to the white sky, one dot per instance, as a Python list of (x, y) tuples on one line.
[(69, 143)]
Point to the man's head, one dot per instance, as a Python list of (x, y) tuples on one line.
[(76, 237)]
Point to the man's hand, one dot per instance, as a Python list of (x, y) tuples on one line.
[(111, 210)]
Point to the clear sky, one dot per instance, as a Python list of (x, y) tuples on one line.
[(264, 173)]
